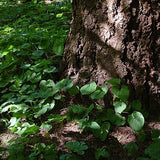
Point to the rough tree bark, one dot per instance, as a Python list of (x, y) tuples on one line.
[(116, 38)]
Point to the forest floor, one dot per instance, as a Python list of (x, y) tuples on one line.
[(22, 29), (69, 131)]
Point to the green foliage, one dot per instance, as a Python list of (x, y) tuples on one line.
[(115, 118), (101, 131), (100, 92), (46, 107), (114, 81), (32, 37), (28, 60), (47, 127), (69, 157), (73, 90), (141, 135), (94, 126), (156, 135), (64, 84), (121, 92), (100, 152), (78, 147), (88, 88), (131, 147), (95, 91), (76, 112), (41, 150), (136, 105), (136, 121), (101, 125), (16, 151), (119, 106), (153, 150)]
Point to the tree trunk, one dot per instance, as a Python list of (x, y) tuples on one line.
[(116, 39)]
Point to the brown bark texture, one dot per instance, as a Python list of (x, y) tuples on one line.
[(116, 39)]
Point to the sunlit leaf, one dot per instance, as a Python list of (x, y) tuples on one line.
[(40, 112), (119, 106), (136, 121), (46, 126), (26, 66), (59, 15), (64, 84), (104, 88), (88, 88), (94, 125), (32, 129)]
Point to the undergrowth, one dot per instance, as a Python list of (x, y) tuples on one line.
[(31, 46)]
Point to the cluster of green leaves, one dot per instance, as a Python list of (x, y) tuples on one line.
[(32, 41), (100, 123), (101, 152), (79, 148), (17, 150), (152, 151)]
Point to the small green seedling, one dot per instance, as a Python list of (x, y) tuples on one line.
[(100, 152), (69, 157), (78, 147)]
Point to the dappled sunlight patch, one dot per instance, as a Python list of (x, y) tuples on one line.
[(124, 135), (6, 137), (154, 125)]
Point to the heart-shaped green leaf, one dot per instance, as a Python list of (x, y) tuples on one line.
[(136, 121)]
